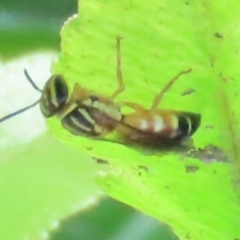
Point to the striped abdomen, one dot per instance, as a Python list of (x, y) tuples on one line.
[(159, 125), (93, 117), (55, 95)]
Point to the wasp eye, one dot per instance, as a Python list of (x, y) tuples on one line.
[(55, 95), (61, 90)]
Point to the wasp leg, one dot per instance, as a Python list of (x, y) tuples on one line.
[(159, 97), (135, 106), (121, 86), (79, 93)]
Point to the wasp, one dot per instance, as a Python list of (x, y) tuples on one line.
[(84, 112), (157, 125), (81, 112)]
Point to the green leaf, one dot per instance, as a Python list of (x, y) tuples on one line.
[(191, 190), (41, 183)]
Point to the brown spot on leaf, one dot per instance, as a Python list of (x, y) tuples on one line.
[(218, 35), (100, 161), (209, 154), (143, 167), (209, 126), (191, 169), (188, 91)]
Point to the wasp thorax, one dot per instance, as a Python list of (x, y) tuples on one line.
[(55, 95), (95, 116), (79, 122)]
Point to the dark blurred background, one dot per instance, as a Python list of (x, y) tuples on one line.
[(27, 26), (111, 220)]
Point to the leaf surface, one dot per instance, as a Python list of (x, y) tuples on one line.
[(190, 189)]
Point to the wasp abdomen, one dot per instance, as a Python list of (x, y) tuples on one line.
[(188, 123), (104, 112), (160, 125), (55, 95)]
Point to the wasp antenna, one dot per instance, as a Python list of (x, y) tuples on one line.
[(159, 97), (18, 112), (31, 81)]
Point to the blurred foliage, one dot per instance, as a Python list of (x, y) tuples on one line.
[(27, 25), (112, 220)]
